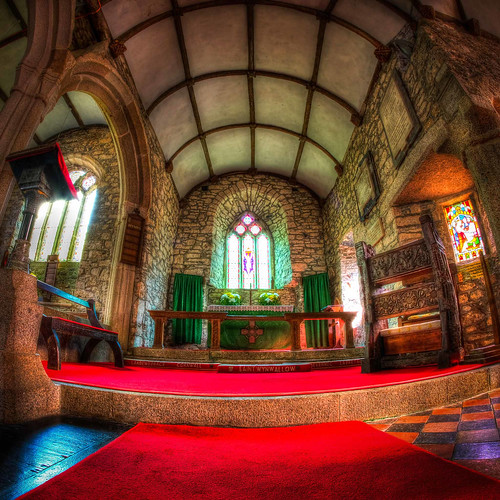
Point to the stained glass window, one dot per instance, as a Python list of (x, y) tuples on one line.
[(61, 227), (464, 231), (248, 259), (233, 261), (264, 262)]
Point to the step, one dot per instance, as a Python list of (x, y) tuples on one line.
[(244, 368)]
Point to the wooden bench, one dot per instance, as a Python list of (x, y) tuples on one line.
[(424, 300), (52, 327)]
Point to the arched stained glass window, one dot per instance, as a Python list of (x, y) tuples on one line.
[(464, 231), (248, 261), (60, 227)]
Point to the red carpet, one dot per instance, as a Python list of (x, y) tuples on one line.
[(348, 460), (197, 383)]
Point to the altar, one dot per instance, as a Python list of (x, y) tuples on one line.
[(254, 334)]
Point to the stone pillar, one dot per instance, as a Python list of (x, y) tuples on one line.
[(26, 392)]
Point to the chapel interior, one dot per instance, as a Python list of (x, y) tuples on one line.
[(279, 161)]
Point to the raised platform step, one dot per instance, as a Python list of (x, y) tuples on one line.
[(245, 357), (241, 368), (487, 354)]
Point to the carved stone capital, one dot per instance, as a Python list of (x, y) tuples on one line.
[(117, 48), (383, 53), (427, 11)]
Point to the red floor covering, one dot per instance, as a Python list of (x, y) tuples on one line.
[(345, 460), (199, 383)]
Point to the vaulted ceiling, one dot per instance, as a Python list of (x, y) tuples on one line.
[(235, 85)]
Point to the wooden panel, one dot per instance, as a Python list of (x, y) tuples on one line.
[(413, 342), (395, 264), (412, 300), (132, 240)]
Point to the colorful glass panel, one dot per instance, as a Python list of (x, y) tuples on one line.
[(49, 236), (37, 228), (255, 230), (82, 228), (68, 227), (248, 261), (464, 231), (247, 219), (233, 262), (88, 182), (240, 229), (264, 261)]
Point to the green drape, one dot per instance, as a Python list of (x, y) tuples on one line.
[(188, 296), (316, 296)]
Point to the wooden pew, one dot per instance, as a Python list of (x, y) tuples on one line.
[(52, 327), (425, 287)]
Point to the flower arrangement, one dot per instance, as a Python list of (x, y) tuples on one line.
[(230, 299), (269, 299)]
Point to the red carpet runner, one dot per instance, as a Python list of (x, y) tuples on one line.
[(346, 460), (198, 383)]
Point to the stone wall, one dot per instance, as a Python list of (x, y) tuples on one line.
[(291, 213), (441, 104), (152, 277)]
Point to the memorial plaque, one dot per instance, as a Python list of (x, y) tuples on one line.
[(366, 186), (375, 232), (471, 271), (399, 120)]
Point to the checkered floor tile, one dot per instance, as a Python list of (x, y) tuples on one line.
[(466, 433)]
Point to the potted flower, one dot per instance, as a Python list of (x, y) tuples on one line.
[(230, 299), (269, 299)]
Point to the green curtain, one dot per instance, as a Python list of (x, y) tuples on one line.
[(316, 296), (188, 296)]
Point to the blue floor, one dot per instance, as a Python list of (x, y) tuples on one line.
[(33, 453)]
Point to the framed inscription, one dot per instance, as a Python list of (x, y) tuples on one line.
[(400, 122), (366, 186), (375, 232)]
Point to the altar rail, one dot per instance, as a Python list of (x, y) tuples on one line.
[(216, 318)]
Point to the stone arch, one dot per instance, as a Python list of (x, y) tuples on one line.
[(269, 206), (84, 161), (97, 76)]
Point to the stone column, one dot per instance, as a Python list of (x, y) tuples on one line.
[(26, 392)]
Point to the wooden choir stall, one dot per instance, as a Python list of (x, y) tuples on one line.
[(414, 284)]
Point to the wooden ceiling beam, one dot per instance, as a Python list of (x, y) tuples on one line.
[(312, 84), (15, 12), (219, 3), (187, 74), (74, 111), (255, 125), (243, 72), (250, 78)]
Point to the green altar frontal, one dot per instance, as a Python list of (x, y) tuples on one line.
[(239, 334)]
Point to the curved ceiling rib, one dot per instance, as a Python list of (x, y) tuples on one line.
[(250, 73), (276, 128), (179, 11)]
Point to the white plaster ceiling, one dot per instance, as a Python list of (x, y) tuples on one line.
[(235, 85)]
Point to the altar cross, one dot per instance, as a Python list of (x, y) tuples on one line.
[(251, 333)]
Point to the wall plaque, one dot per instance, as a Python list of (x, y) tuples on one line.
[(132, 240), (366, 186), (375, 232), (400, 122)]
